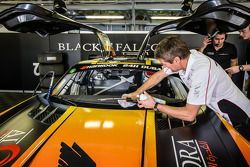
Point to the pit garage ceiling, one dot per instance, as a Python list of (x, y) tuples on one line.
[(130, 12), (121, 4), (113, 7)]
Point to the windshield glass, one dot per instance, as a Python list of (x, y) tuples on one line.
[(105, 83)]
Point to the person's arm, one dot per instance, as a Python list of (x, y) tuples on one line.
[(151, 82), (234, 62), (206, 41), (233, 55), (236, 69), (187, 113)]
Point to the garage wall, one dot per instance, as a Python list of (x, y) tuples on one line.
[(18, 57)]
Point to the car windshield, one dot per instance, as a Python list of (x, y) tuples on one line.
[(106, 83)]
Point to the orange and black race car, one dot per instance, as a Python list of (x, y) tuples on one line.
[(83, 121)]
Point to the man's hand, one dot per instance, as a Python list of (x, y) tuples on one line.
[(232, 70), (206, 41), (133, 96), (149, 102)]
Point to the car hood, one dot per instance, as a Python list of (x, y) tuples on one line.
[(105, 136), (39, 134), (95, 136)]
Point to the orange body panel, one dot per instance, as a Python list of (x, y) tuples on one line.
[(109, 137), (31, 150), (241, 142), (150, 141)]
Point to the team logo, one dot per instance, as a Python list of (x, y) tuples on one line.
[(189, 153), (74, 156), (9, 148), (8, 153)]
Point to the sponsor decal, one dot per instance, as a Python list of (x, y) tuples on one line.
[(84, 68), (131, 65), (98, 66), (188, 153), (9, 148), (9, 152), (211, 159), (72, 71), (143, 67), (103, 66), (151, 68), (74, 156), (14, 136), (93, 47)]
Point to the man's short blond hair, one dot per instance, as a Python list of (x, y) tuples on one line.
[(171, 47)]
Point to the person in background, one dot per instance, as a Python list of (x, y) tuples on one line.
[(207, 82), (244, 34), (224, 53)]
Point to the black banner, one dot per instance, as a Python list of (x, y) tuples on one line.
[(19, 52)]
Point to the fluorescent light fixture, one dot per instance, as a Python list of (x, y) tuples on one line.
[(104, 17), (164, 17)]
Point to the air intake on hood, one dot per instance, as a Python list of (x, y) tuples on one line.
[(46, 113), (164, 122)]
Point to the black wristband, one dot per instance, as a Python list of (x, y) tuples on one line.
[(155, 107)]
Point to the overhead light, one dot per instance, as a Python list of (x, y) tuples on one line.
[(164, 17), (104, 17)]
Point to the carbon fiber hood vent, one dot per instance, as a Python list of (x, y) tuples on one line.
[(46, 114), (164, 122)]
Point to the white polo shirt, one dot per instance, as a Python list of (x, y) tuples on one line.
[(208, 83)]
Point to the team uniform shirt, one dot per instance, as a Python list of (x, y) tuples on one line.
[(248, 62), (248, 54), (222, 56), (208, 84)]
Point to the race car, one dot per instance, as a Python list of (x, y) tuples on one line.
[(84, 121)]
